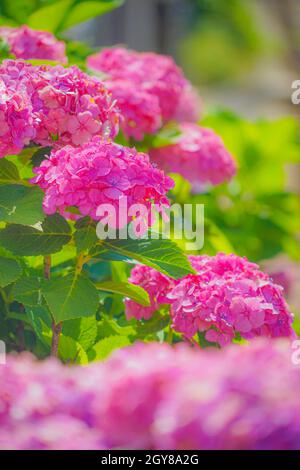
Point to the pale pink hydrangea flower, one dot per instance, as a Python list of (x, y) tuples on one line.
[(27, 43), (150, 80), (199, 155), (52, 106), (228, 296), (154, 396), (190, 105), (100, 172)]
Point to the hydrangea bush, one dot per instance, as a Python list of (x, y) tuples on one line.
[(73, 139)]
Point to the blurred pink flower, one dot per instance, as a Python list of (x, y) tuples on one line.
[(153, 396), (189, 108), (199, 155), (149, 88), (27, 43)]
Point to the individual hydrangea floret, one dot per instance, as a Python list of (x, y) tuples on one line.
[(27, 43), (97, 173), (228, 296), (199, 155)]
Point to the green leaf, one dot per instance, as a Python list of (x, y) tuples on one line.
[(40, 321), (106, 346), (8, 172), (71, 351), (59, 15), (156, 323), (169, 135), (27, 291), (109, 327), (163, 255), (85, 238), (84, 10), (10, 271), (21, 204), (136, 293), (40, 155), (29, 241), (82, 330), (71, 297)]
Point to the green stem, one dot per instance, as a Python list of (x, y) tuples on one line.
[(170, 335), (56, 328), (5, 301)]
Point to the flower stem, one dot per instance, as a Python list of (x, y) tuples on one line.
[(170, 335), (56, 328)]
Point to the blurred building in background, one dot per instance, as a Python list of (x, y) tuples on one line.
[(242, 53)]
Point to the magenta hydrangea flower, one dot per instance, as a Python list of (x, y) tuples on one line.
[(156, 284), (27, 43), (16, 121), (100, 172), (52, 106), (228, 296), (140, 110), (199, 155), (154, 396), (147, 80)]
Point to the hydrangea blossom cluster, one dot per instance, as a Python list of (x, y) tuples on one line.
[(189, 106), (52, 106), (228, 296), (27, 43), (16, 120), (155, 81), (156, 284), (100, 172), (199, 155), (155, 397)]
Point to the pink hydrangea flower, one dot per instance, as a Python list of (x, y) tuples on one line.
[(140, 110), (141, 80), (156, 284), (27, 43), (154, 396), (52, 106), (199, 155), (228, 295), (100, 172), (16, 121), (189, 108)]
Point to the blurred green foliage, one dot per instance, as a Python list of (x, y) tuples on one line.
[(256, 212), (224, 40), (53, 15)]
